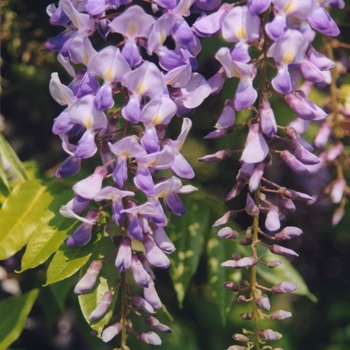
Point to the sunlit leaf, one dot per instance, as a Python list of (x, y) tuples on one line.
[(187, 233), (107, 279), (49, 235), (68, 261), (15, 165), (4, 185), (20, 215), (14, 312), (284, 272)]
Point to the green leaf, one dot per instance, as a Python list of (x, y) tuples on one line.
[(107, 280), (49, 235), (21, 214), (220, 250), (68, 261), (4, 185), (14, 312), (10, 155), (60, 291), (187, 233), (284, 272)]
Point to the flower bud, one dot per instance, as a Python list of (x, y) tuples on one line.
[(270, 334), (228, 216), (240, 337), (102, 307), (228, 233), (151, 295), (267, 120), (236, 347), (241, 299), (277, 249), (288, 233), (251, 207), (335, 152), (150, 338), (231, 286), (110, 332), (124, 256), (141, 303), (246, 316), (273, 263), (156, 325), (216, 157), (263, 302), (338, 190), (337, 216), (283, 287), (272, 221), (140, 275), (280, 315), (88, 281), (294, 163)]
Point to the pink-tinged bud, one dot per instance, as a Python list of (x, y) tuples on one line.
[(270, 334), (337, 216), (279, 250), (267, 120), (228, 216), (263, 303), (216, 157), (110, 332), (251, 207), (338, 190), (288, 233), (156, 325), (283, 287), (240, 337), (294, 163), (323, 135), (102, 307), (256, 176), (335, 152), (238, 264), (231, 286), (273, 263), (286, 204), (163, 241), (88, 281), (124, 256), (241, 299), (150, 338), (154, 254), (228, 233), (235, 256), (236, 347), (140, 275), (272, 222), (141, 303), (245, 172), (280, 315)]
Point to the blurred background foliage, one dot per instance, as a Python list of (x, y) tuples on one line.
[(27, 113)]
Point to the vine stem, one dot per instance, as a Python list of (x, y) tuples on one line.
[(123, 311)]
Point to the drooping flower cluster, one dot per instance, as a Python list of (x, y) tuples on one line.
[(122, 98)]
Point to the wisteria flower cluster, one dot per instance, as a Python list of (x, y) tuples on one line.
[(123, 96)]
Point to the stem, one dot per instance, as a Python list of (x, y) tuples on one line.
[(123, 310)]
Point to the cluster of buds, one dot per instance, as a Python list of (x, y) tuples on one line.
[(121, 100), (286, 37)]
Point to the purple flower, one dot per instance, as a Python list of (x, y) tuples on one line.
[(288, 233), (88, 281), (154, 254), (142, 304), (280, 315), (140, 275), (269, 334), (150, 338), (124, 256), (283, 287), (277, 249), (102, 307), (110, 332), (151, 296), (156, 325)]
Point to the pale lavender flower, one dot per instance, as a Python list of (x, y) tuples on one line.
[(142, 304), (88, 281), (251, 207), (337, 191), (335, 151), (151, 296), (228, 216), (272, 221), (270, 334), (154, 254), (263, 302), (294, 163), (280, 315), (283, 287), (288, 233), (279, 250), (228, 233), (150, 338), (124, 256), (156, 325), (110, 332), (102, 307), (163, 241), (337, 216)]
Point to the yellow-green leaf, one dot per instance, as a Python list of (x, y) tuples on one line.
[(22, 212), (14, 312)]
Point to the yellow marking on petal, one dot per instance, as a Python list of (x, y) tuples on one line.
[(125, 154), (288, 57), (289, 8), (85, 59), (63, 98), (108, 75), (132, 29), (241, 34), (162, 194), (152, 164), (157, 119), (235, 72), (88, 122), (162, 36), (141, 88)]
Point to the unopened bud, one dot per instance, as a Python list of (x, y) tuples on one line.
[(283, 287), (228, 233), (263, 303), (110, 332), (240, 337), (277, 249), (156, 325), (280, 315), (288, 233), (236, 347), (246, 316), (88, 281), (241, 299), (228, 216), (231, 286), (273, 263), (218, 156), (270, 334), (150, 338), (102, 307), (251, 207)]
